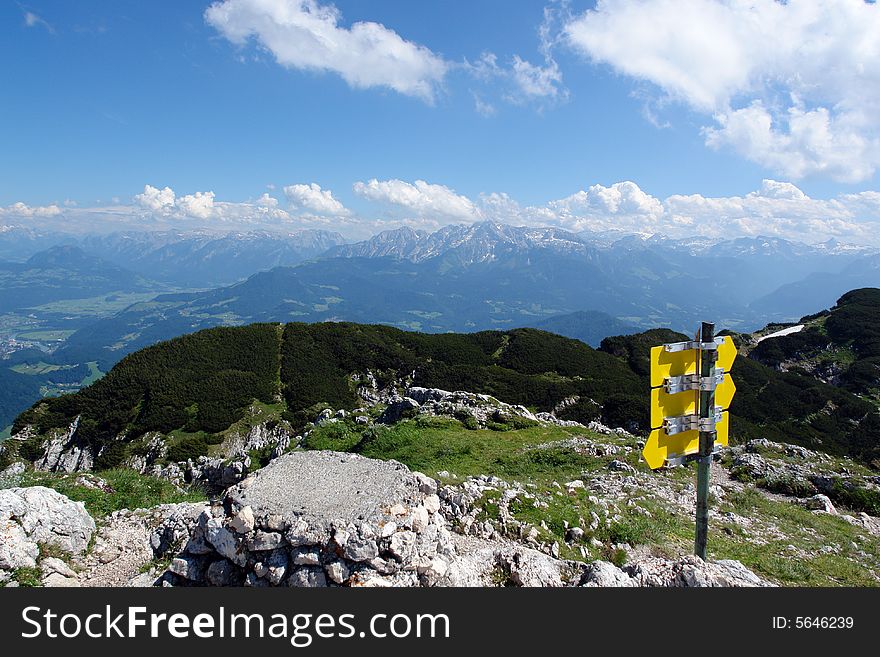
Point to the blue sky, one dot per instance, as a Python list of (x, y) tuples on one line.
[(101, 99)]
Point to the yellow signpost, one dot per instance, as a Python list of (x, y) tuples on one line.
[(662, 448), (671, 402), (691, 391)]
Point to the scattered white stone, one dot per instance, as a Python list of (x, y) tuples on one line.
[(243, 521)]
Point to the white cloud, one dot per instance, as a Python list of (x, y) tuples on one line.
[(306, 35), (622, 206), (20, 209), (777, 208), (793, 86), (422, 198), (810, 141), (156, 200), (199, 205), (163, 204), (484, 108), (311, 197), (33, 20), (525, 81), (537, 81), (620, 198)]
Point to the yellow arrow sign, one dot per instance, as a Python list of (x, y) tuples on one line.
[(665, 364), (660, 446), (671, 363), (664, 405), (726, 354)]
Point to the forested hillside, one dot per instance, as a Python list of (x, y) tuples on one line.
[(840, 345), (200, 384)]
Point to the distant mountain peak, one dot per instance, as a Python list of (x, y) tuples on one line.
[(471, 243), (64, 256)]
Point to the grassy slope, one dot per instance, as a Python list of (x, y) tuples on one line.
[(641, 518)]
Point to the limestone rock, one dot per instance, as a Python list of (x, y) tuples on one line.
[(16, 548), (243, 521), (820, 503), (687, 571), (47, 516), (336, 514)]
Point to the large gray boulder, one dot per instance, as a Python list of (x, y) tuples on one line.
[(38, 515), (321, 519)]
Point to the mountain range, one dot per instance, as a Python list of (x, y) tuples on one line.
[(489, 275), (61, 273), (120, 292), (193, 259)]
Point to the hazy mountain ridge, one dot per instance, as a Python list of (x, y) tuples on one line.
[(458, 278), (64, 272), (182, 258), (490, 275)]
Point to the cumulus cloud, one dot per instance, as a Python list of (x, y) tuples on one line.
[(620, 198), (314, 199), (23, 210), (156, 200), (306, 35), (163, 204), (777, 209), (793, 86), (422, 198), (199, 205)]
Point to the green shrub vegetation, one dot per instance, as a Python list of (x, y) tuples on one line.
[(523, 366), (27, 577), (128, 490), (198, 382), (781, 406), (197, 386)]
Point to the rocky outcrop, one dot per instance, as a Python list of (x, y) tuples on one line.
[(483, 410), (819, 480), (37, 515), (214, 473), (684, 572), (320, 519), (371, 391), (63, 453), (129, 542), (261, 436), (482, 562)]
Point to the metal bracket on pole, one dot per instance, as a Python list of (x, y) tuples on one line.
[(674, 425), (676, 384), (682, 459), (694, 344)]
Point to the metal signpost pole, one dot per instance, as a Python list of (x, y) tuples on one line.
[(708, 356)]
